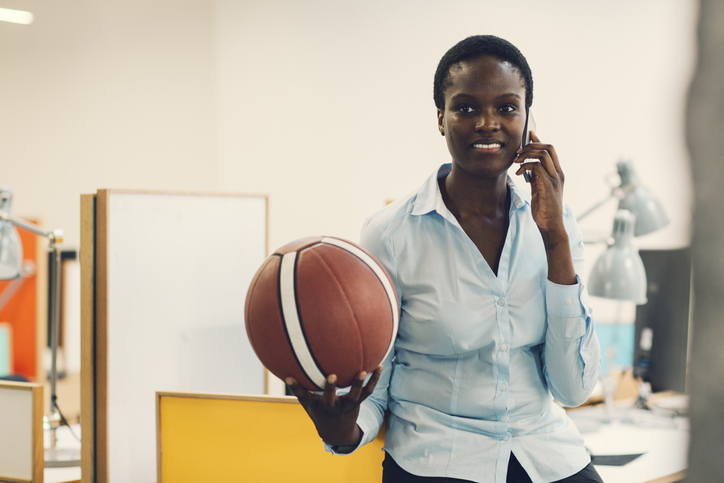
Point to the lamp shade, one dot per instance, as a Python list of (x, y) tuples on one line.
[(619, 272), (11, 251), (650, 214)]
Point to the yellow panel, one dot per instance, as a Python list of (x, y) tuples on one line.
[(220, 440)]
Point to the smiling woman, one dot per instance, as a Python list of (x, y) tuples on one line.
[(494, 321)]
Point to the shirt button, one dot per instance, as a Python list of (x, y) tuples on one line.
[(506, 438), (503, 418), (504, 347), (569, 301), (501, 302), (503, 387)]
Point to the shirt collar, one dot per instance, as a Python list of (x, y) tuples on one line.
[(429, 197)]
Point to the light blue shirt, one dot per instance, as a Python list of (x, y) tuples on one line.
[(479, 357)]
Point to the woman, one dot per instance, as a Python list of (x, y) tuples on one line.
[(494, 319)]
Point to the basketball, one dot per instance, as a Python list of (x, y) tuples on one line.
[(321, 306)]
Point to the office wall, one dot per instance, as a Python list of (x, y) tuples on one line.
[(105, 94), (328, 106), (324, 105)]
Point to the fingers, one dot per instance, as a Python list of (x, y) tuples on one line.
[(356, 390), (330, 390), (371, 384), (301, 393), (551, 150), (537, 153)]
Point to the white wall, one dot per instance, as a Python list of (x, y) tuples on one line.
[(325, 105), (105, 94), (328, 105)]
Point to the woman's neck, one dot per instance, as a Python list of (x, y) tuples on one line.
[(467, 195)]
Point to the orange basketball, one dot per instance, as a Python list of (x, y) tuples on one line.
[(321, 306)]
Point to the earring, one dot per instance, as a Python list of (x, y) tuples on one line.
[(442, 132)]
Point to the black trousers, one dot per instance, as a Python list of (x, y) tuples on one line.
[(392, 473)]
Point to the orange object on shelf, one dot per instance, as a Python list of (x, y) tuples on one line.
[(21, 313)]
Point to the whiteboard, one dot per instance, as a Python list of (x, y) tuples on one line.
[(21, 450), (176, 269)]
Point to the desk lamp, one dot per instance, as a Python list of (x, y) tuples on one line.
[(11, 255), (634, 197), (619, 272)]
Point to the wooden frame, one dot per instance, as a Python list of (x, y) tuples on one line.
[(96, 301), (31, 415)]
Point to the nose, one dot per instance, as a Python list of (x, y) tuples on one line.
[(487, 121)]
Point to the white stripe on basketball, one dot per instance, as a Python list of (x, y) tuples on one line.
[(291, 321), (370, 262)]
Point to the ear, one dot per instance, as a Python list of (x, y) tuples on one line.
[(441, 121)]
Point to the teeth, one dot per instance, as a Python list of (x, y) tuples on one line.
[(486, 146)]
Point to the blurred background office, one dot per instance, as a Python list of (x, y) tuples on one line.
[(326, 106)]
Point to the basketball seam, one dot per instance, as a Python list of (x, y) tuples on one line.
[(301, 322), (346, 300), (284, 321), (393, 309)]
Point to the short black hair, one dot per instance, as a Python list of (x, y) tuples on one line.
[(477, 46)]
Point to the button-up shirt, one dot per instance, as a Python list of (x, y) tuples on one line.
[(479, 357)]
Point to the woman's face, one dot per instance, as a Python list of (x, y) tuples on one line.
[(484, 116)]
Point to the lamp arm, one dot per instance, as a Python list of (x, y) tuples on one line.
[(617, 192), (55, 236)]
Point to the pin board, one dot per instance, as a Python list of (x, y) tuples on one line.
[(163, 285), (216, 437), (21, 432)]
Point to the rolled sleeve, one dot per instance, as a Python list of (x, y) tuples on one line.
[(572, 352)]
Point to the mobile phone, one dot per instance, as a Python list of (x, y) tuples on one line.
[(529, 126)]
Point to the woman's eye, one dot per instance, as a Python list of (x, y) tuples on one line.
[(466, 109), (507, 108)]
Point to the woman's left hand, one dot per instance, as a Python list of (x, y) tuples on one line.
[(546, 184)]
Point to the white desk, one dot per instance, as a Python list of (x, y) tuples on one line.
[(663, 440), (65, 440)]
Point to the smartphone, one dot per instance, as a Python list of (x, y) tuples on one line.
[(529, 126)]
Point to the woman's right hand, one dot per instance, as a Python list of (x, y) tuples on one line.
[(335, 416)]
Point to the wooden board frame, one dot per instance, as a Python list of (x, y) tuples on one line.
[(94, 259), (38, 452)]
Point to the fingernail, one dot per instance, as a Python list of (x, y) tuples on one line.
[(289, 381), (362, 376), (332, 379), (519, 150)]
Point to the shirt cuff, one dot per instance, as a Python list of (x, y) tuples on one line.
[(345, 449), (565, 301)]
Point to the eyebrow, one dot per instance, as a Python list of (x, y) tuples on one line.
[(463, 95)]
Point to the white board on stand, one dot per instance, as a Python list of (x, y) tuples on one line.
[(171, 274)]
